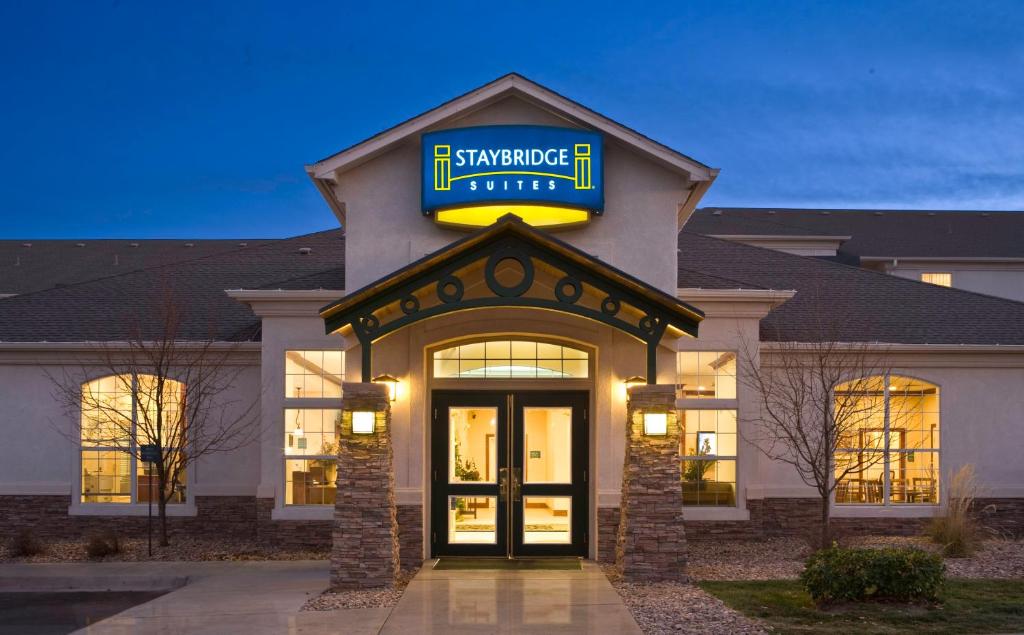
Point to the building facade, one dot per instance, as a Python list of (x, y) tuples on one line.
[(506, 310)]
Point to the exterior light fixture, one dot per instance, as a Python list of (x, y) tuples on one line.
[(655, 424), (391, 382), (635, 380), (363, 421)]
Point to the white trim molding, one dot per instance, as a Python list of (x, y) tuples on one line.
[(285, 302), (303, 512), (128, 509)]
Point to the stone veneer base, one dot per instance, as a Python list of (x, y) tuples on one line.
[(651, 538), (364, 541), (247, 518)]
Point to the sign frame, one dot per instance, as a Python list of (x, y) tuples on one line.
[(510, 165)]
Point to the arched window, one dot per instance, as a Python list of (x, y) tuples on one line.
[(889, 443), (511, 359), (119, 414)]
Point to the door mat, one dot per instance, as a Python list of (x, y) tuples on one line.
[(504, 564)]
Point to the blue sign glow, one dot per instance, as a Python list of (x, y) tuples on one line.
[(523, 165)]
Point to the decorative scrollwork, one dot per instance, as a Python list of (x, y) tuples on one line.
[(369, 323), (409, 304), (450, 289), (576, 290), (610, 306), (520, 287), (649, 323)]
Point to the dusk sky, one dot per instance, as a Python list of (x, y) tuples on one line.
[(142, 119)]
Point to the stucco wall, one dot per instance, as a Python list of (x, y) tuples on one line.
[(981, 423), (1001, 280), (386, 230), (37, 456)]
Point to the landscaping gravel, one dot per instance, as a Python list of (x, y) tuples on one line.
[(995, 558), (772, 559), (361, 599), (783, 558), (672, 607), (134, 550)]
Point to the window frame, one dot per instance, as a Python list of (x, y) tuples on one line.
[(720, 351), (282, 508), (887, 454), (133, 507), (734, 459), (921, 278), (322, 376), (304, 457), (585, 352)]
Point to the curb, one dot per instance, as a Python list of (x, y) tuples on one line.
[(67, 583)]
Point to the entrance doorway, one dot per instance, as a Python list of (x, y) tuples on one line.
[(509, 473)]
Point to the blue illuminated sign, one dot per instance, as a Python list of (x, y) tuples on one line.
[(525, 165)]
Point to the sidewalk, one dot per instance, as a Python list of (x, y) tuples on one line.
[(256, 598), (485, 601)]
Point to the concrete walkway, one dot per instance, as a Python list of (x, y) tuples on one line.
[(510, 602), (256, 598)]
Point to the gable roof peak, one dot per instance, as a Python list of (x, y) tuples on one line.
[(495, 90)]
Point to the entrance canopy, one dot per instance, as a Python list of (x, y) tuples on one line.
[(510, 264)]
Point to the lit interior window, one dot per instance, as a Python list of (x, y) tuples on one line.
[(310, 456), (708, 448), (706, 375), (905, 470), (511, 359), (119, 413), (941, 279), (313, 374)]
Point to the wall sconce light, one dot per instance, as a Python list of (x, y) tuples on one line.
[(655, 424), (635, 380), (363, 422), (391, 382)]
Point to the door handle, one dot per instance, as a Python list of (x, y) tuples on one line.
[(517, 484), (503, 484)]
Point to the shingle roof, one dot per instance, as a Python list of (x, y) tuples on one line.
[(33, 265), (860, 305), (99, 309), (870, 306), (880, 233)]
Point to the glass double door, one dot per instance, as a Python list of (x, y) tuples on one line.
[(509, 473)]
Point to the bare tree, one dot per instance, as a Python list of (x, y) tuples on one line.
[(817, 401), (163, 388)]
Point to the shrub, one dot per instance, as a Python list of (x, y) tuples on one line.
[(958, 531), (858, 575), (24, 543), (103, 544)]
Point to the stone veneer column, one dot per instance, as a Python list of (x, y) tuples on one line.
[(365, 552), (651, 542)]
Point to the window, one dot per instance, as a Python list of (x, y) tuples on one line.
[(505, 359), (119, 413), (310, 461), (889, 447), (709, 458), (313, 374), (706, 375), (310, 441), (941, 279)]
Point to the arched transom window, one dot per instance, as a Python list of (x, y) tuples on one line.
[(511, 359), (889, 449)]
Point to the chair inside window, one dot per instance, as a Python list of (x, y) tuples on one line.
[(924, 489), (874, 490)]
